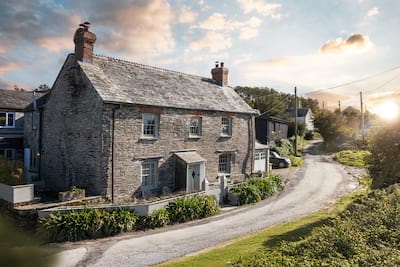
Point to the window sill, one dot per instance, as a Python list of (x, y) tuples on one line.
[(224, 174), (225, 136), (148, 138), (194, 137)]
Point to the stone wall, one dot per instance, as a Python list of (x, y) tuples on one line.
[(71, 126), (131, 149)]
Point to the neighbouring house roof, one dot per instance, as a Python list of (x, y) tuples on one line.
[(265, 116), (14, 100), (119, 81), (190, 157), (301, 112)]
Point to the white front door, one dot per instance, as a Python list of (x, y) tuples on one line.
[(260, 161), (193, 178)]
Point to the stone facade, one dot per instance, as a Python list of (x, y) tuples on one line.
[(130, 149), (71, 134)]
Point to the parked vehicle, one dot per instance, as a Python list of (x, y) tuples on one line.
[(278, 161)]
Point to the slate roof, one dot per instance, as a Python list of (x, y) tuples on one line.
[(14, 100), (265, 116), (190, 157), (301, 112), (119, 81)]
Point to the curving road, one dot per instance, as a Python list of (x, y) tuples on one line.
[(313, 186)]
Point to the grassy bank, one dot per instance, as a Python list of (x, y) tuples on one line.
[(266, 240), (356, 158)]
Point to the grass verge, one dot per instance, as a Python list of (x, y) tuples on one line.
[(356, 158), (265, 240)]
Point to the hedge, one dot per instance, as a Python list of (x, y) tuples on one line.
[(94, 223)]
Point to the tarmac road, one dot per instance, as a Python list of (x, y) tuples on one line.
[(315, 185)]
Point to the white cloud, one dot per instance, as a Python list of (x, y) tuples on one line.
[(186, 15), (139, 29), (260, 6), (212, 41), (373, 11), (355, 43), (247, 29)]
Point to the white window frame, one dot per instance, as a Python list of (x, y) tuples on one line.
[(224, 163), (7, 114), (149, 169), (226, 124), (195, 127), (146, 117)]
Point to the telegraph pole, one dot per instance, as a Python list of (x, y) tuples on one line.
[(295, 121), (339, 107), (362, 119)]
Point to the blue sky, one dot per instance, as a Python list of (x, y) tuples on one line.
[(279, 44)]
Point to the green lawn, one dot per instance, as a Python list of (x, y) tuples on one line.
[(264, 240), (356, 158)]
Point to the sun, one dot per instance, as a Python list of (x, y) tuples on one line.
[(388, 110)]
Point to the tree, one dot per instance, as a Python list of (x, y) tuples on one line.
[(384, 161)]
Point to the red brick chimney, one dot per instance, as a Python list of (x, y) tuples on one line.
[(84, 42), (220, 73)]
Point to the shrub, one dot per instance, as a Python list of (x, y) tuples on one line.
[(11, 172), (191, 208), (365, 234), (296, 161), (158, 218), (87, 224), (256, 189), (355, 158), (384, 160)]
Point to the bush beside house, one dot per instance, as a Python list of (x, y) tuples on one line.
[(95, 223), (255, 190)]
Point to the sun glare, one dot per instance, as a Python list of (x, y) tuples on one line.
[(388, 110)]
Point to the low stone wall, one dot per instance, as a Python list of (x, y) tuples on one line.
[(17, 194), (139, 208)]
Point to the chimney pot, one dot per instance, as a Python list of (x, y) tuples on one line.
[(84, 42)]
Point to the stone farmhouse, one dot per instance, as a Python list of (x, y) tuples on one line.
[(122, 129)]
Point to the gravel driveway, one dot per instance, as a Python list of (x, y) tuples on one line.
[(316, 184)]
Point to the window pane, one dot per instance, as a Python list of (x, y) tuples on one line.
[(226, 126), (149, 122), (10, 119), (224, 163), (149, 173), (195, 127), (2, 119)]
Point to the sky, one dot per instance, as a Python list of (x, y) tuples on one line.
[(279, 44)]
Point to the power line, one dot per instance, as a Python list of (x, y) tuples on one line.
[(355, 81), (384, 84)]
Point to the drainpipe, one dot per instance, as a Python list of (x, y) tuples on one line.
[(112, 151), (253, 143)]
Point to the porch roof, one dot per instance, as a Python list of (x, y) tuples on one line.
[(190, 157)]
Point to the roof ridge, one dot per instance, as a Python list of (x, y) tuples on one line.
[(150, 67)]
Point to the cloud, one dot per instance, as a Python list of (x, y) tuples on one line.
[(212, 41), (186, 15), (356, 42), (373, 11), (33, 20), (8, 65), (5, 84), (248, 29), (261, 7), (138, 29)]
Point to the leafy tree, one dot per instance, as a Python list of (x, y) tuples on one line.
[(385, 156)]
